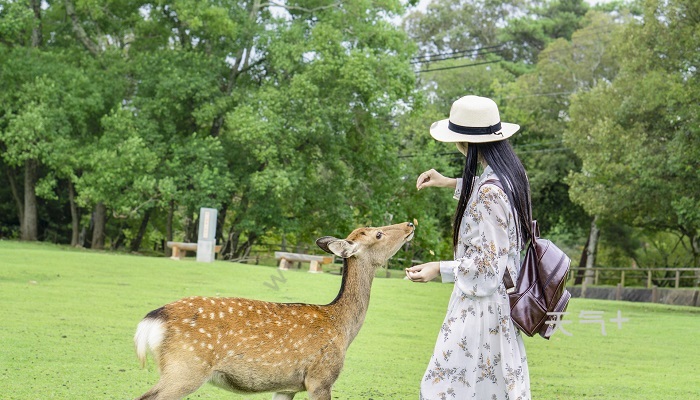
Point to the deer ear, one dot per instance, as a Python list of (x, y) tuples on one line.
[(339, 247)]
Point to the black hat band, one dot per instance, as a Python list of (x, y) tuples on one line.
[(469, 130)]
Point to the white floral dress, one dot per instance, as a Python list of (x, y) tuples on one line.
[(479, 354)]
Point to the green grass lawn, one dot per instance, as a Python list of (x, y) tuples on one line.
[(68, 319)]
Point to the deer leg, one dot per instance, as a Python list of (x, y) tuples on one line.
[(283, 396), (176, 382), (320, 393), (319, 387)]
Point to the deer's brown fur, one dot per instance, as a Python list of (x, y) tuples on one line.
[(253, 346)]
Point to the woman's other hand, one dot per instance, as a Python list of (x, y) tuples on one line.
[(423, 272), (433, 178)]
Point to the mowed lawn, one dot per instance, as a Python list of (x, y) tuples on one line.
[(68, 319)]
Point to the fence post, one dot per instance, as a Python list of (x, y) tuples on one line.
[(648, 279), (618, 293), (622, 278), (678, 278), (597, 274)]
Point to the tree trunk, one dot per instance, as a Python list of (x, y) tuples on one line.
[(98, 233), (74, 215), (15, 195), (37, 34), (581, 270), (136, 243), (244, 250), (117, 243), (191, 229), (29, 224), (220, 221), (591, 252), (169, 228), (91, 46), (695, 245)]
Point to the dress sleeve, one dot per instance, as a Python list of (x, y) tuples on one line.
[(458, 189), (480, 271)]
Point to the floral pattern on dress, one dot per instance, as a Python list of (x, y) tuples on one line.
[(479, 354)]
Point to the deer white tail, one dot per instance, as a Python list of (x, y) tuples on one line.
[(149, 335)]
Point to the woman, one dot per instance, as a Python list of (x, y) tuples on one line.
[(479, 354)]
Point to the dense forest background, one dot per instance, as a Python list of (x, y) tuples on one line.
[(119, 119)]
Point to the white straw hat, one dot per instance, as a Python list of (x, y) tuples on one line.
[(473, 119)]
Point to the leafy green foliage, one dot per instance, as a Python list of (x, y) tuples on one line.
[(637, 135)]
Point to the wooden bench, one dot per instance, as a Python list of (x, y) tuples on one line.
[(315, 261), (180, 249)]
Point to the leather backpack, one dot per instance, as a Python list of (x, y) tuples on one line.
[(541, 285)]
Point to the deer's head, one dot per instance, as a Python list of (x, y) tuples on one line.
[(374, 246)]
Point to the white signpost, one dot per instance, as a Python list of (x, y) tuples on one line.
[(206, 240)]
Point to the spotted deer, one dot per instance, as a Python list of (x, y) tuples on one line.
[(252, 346)]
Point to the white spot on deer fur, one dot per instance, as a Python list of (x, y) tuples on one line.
[(210, 347), (259, 312), (225, 346), (208, 335), (250, 308), (240, 313), (186, 321), (212, 315), (201, 330), (230, 310), (202, 345), (221, 314), (191, 348), (195, 341), (190, 304), (213, 302), (184, 347), (200, 309), (229, 353), (205, 298)]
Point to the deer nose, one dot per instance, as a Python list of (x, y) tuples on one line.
[(410, 224)]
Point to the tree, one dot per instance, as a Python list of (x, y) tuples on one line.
[(545, 21), (637, 134)]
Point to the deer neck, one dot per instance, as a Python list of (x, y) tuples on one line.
[(350, 306)]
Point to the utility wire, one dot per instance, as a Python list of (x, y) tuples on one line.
[(460, 66), (457, 56), (451, 53)]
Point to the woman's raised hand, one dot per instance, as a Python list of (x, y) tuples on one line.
[(433, 178)]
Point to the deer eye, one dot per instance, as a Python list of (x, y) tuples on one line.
[(379, 235)]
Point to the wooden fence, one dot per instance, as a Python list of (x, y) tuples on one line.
[(652, 276)]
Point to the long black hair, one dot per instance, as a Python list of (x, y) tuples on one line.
[(510, 171)]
